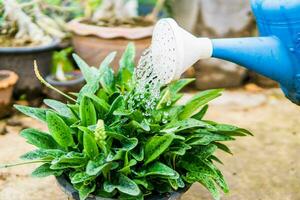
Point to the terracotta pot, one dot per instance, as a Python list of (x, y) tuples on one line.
[(68, 86), (7, 81), (71, 192), (94, 43)]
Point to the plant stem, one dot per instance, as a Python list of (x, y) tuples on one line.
[(22, 163), (38, 75), (158, 6)]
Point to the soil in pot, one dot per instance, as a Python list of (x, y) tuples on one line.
[(73, 84), (7, 81), (9, 41)]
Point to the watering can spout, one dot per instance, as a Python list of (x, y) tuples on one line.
[(264, 55)]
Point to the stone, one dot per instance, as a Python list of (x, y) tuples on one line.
[(215, 73), (262, 80), (2, 127), (15, 121)]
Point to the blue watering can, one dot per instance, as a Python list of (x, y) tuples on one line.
[(275, 54)]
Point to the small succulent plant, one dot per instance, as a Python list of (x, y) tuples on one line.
[(107, 141)]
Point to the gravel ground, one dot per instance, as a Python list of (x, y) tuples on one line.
[(264, 167)]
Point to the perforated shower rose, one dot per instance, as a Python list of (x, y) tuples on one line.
[(107, 141)]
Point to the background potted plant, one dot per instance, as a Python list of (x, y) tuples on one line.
[(110, 142), (109, 25), (28, 31), (63, 76)]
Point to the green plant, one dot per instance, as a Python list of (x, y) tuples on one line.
[(62, 63), (110, 142)]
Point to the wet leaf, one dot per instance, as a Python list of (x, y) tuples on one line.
[(39, 139), (87, 112), (199, 100), (44, 171), (36, 113), (124, 185), (59, 130), (156, 145)]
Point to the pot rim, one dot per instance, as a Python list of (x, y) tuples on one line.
[(68, 189), (12, 50), (133, 33), (79, 79), (10, 80)]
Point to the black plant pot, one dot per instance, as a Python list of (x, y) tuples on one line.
[(20, 60), (71, 192), (68, 86)]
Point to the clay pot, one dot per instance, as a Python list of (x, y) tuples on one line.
[(94, 43), (71, 192), (68, 86), (7, 81), (20, 60)]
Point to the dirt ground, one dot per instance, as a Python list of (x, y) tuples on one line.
[(264, 167)]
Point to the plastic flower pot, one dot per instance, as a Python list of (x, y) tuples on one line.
[(7, 81), (94, 43), (68, 189), (72, 85), (20, 60)]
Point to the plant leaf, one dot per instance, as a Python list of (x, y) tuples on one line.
[(44, 171), (70, 160), (203, 137), (126, 68), (60, 108), (118, 103), (84, 68), (87, 112), (91, 75), (223, 147), (127, 143), (176, 183), (90, 146), (127, 59), (94, 168), (36, 113), (188, 124), (199, 100), (231, 130), (156, 145), (107, 74), (39, 139), (206, 181), (86, 190), (123, 184), (100, 105), (80, 177), (42, 154), (158, 169), (59, 130), (138, 153), (179, 85), (201, 113)]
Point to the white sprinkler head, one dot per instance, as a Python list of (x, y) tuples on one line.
[(174, 49)]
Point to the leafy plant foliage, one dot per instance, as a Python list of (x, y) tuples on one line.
[(112, 144)]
